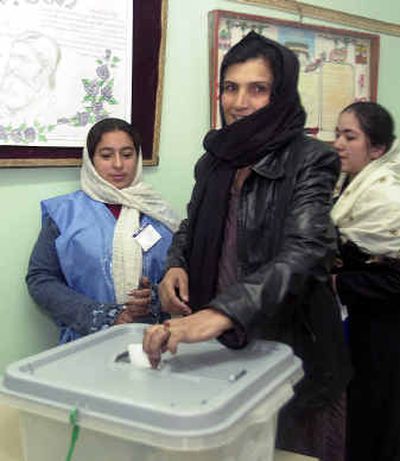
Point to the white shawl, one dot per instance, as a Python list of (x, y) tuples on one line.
[(368, 211), (138, 197)]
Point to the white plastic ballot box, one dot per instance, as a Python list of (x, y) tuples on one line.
[(206, 403)]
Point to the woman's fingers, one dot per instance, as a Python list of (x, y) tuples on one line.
[(131, 314), (144, 282), (182, 287), (140, 293), (135, 312), (155, 342), (201, 326), (173, 292), (139, 302), (123, 317)]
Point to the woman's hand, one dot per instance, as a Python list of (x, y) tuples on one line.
[(139, 300), (124, 317), (174, 292), (201, 326), (137, 303)]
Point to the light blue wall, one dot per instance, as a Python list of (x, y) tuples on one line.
[(185, 119)]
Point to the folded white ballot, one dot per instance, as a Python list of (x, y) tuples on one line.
[(137, 356)]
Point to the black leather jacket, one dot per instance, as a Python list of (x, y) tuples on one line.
[(286, 243)]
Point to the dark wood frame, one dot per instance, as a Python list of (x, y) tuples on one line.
[(149, 29), (215, 17)]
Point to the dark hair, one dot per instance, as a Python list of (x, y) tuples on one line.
[(375, 121), (108, 125), (251, 48)]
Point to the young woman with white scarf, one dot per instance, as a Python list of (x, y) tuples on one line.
[(367, 279), (101, 250)]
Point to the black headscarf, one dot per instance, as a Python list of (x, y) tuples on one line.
[(242, 143)]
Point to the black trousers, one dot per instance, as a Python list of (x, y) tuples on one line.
[(373, 408), (317, 432)]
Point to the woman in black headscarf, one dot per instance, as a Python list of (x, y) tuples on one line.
[(253, 256)]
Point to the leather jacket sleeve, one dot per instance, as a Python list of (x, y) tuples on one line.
[(177, 253), (306, 250)]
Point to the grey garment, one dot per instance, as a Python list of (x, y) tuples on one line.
[(49, 289), (228, 262), (227, 266)]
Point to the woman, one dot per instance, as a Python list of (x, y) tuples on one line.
[(251, 260), (367, 215), (102, 249)]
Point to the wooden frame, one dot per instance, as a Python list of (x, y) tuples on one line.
[(328, 57), (149, 30), (305, 10)]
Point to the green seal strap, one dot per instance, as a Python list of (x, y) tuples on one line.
[(73, 420)]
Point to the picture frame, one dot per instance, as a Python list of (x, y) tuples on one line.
[(149, 34), (337, 66)]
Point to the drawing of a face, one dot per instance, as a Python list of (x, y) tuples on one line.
[(29, 72)]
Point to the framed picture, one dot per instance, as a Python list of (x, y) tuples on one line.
[(337, 66), (65, 65)]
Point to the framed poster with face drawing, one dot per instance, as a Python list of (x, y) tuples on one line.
[(337, 66), (65, 65)]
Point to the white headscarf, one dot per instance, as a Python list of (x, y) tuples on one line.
[(368, 211), (138, 197)]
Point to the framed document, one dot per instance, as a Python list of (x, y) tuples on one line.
[(67, 64), (337, 66)]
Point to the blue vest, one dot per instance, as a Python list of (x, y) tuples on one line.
[(84, 246)]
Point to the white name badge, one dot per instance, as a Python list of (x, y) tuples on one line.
[(146, 237)]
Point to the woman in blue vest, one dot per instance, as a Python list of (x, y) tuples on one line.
[(101, 249)]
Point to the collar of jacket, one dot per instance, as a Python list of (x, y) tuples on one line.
[(273, 165)]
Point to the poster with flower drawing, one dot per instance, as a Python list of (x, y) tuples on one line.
[(66, 64)]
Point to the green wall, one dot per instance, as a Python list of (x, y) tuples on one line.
[(185, 118)]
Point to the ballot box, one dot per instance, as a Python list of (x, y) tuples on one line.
[(85, 400)]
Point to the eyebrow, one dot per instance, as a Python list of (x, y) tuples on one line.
[(266, 82), (106, 149), (346, 130), (111, 149)]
